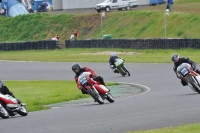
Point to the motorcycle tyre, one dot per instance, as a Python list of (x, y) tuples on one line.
[(5, 113), (96, 96), (126, 70), (110, 98), (193, 83), (23, 111), (121, 71)]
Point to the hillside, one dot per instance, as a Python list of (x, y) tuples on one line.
[(147, 22)]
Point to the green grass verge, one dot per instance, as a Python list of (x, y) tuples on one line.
[(190, 128), (99, 55), (37, 94)]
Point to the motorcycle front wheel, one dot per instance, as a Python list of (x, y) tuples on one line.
[(126, 71), (94, 93), (110, 98), (192, 80), (23, 111)]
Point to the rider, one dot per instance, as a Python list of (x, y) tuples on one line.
[(76, 68), (4, 90), (178, 61), (113, 56)]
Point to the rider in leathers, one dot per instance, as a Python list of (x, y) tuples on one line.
[(4, 90), (76, 68), (112, 58), (178, 61)]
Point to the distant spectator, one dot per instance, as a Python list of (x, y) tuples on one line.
[(3, 11), (76, 35), (57, 37), (169, 4)]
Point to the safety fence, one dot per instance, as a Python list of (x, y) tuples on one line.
[(135, 43), (36, 45)]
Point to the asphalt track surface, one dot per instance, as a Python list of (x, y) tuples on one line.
[(166, 104)]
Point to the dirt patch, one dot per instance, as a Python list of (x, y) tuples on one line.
[(109, 52)]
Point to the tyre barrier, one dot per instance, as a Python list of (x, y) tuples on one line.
[(35, 45), (156, 43)]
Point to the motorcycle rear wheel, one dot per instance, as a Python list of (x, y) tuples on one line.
[(192, 80), (110, 98), (96, 96)]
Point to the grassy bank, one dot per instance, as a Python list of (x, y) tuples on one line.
[(37, 94), (99, 55), (183, 22)]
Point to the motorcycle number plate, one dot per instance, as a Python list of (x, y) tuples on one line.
[(184, 71), (83, 80), (119, 62)]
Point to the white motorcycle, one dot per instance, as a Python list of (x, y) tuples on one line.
[(189, 76), (9, 106)]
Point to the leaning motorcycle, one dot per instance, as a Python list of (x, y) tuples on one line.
[(119, 63), (94, 88), (189, 76), (9, 106)]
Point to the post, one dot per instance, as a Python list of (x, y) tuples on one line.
[(102, 14), (166, 12), (165, 23), (101, 26)]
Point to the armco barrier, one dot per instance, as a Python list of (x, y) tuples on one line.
[(156, 43), (36, 45)]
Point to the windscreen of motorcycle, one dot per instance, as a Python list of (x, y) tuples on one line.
[(183, 65), (82, 79), (118, 62), (183, 68)]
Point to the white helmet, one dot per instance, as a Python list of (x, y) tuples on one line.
[(113, 55)]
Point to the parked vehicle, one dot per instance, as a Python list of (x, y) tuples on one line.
[(108, 5), (155, 2), (189, 76), (42, 7), (9, 106), (119, 63), (95, 89)]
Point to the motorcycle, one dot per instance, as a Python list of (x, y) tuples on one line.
[(9, 106), (189, 76), (94, 88), (119, 63), (42, 8)]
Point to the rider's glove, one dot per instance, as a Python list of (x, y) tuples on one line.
[(193, 67)]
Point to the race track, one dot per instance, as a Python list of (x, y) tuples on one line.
[(166, 104)]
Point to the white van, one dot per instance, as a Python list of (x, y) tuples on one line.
[(108, 5)]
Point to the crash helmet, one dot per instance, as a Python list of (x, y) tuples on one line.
[(1, 84), (113, 55), (175, 58), (76, 68)]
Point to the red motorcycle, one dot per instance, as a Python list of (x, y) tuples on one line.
[(9, 106), (94, 88)]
